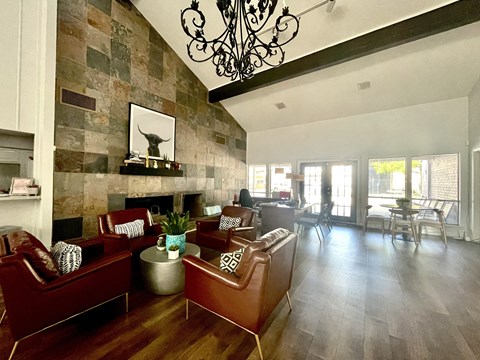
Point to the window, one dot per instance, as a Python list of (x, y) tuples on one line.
[(257, 180), (386, 179), (280, 186), (270, 180), (435, 183), (433, 180)]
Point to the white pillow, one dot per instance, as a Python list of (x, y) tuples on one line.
[(132, 229), (227, 222), (229, 261), (67, 256)]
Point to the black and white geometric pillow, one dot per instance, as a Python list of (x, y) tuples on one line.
[(67, 256), (229, 261), (132, 229), (227, 222)]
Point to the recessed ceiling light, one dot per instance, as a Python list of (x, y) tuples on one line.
[(363, 85), (280, 105)]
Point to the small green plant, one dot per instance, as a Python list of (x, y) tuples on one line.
[(175, 223), (173, 247), (165, 157)]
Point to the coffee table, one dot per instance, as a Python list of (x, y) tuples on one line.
[(162, 276)]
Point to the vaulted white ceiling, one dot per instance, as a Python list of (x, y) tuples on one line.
[(436, 68)]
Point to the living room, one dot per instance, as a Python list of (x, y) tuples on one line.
[(108, 51)]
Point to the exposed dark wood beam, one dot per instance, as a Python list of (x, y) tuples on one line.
[(460, 13)]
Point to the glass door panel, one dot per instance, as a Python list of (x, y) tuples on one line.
[(334, 181)]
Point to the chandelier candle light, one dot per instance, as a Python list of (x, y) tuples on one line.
[(239, 51)]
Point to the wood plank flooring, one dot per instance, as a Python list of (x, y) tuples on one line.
[(354, 297)]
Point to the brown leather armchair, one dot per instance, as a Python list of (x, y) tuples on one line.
[(247, 298), (37, 296), (116, 242), (209, 235)]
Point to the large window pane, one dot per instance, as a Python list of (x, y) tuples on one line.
[(280, 186), (386, 182), (435, 183), (257, 180)]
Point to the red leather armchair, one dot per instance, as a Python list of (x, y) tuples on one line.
[(36, 295), (247, 298), (116, 242), (209, 235)]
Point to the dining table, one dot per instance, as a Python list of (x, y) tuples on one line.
[(407, 213)]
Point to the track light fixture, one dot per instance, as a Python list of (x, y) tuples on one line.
[(238, 51)]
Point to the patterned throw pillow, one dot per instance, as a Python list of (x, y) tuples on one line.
[(132, 229), (227, 222), (67, 256), (230, 261)]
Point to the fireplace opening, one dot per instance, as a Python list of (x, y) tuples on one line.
[(193, 203), (158, 205)]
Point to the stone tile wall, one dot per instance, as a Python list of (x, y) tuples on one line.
[(108, 51)]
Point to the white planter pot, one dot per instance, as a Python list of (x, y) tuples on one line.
[(172, 255)]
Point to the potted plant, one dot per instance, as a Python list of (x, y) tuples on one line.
[(175, 226), (166, 160), (403, 202), (173, 252)]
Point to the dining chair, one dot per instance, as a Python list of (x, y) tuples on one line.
[(379, 218), (312, 222), (438, 222), (403, 222), (327, 215)]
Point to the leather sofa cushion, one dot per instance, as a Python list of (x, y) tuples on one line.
[(35, 252), (262, 244)]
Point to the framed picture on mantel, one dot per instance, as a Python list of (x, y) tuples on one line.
[(151, 132)]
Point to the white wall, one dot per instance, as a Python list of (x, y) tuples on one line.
[(433, 128), (35, 23), (474, 139)]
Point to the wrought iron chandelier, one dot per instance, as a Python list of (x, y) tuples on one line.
[(239, 51)]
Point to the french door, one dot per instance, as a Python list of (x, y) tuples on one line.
[(331, 181)]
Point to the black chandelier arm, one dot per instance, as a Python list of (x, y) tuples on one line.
[(283, 24)]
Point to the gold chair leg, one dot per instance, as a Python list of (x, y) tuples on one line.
[(126, 302), (186, 309), (13, 350), (257, 339), (289, 301), (3, 316)]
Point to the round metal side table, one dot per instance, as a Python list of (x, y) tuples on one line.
[(162, 276)]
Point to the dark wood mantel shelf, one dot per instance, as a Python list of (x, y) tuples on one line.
[(140, 170)]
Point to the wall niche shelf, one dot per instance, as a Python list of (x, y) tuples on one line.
[(19, 198), (140, 170)]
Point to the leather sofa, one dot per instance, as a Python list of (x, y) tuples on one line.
[(116, 242), (209, 234), (248, 297), (37, 296)]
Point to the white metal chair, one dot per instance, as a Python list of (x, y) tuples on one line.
[(379, 218), (403, 222), (438, 222)]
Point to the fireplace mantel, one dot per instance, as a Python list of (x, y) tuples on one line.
[(141, 170)]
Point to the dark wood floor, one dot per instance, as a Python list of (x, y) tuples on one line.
[(354, 297)]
